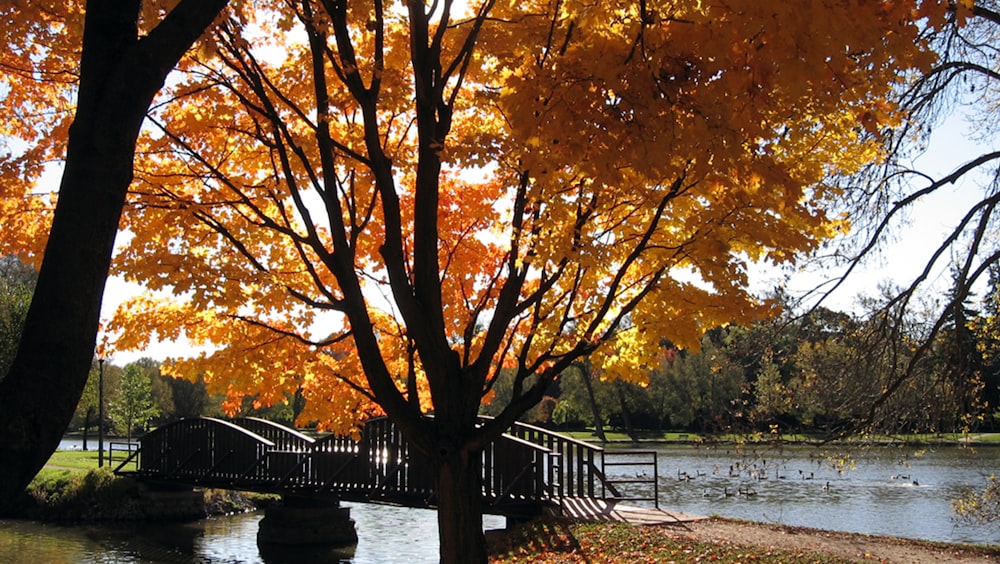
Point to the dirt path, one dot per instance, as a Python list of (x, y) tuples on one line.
[(843, 545)]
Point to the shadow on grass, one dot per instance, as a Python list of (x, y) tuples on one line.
[(542, 536)]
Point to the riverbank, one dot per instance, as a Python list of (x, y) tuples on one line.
[(66, 494), (716, 540)]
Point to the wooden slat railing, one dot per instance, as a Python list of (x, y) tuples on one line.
[(578, 465), (205, 450), (528, 465)]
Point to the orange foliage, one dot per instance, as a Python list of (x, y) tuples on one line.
[(583, 179)]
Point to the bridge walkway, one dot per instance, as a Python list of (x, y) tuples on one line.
[(527, 471)]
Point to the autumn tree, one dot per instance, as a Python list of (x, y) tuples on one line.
[(397, 203), (77, 81)]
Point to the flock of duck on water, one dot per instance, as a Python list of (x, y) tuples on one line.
[(760, 472)]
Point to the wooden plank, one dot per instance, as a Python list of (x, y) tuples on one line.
[(587, 509)]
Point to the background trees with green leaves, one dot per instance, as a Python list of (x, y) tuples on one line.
[(17, 284)]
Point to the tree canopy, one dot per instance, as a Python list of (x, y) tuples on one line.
[(385, 205), (517, 185)]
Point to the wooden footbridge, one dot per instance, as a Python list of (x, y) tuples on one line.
[(525, 472)]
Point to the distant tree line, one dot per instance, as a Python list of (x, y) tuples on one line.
[(138, 397), (826, 373)]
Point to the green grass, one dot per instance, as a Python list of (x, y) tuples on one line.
[(643, 435), (73, 460)]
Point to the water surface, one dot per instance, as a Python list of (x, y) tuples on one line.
[(887, 491)]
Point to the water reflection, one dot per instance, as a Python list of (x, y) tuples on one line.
[(386, 535)]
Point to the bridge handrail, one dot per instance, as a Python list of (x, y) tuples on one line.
[(215, 420), (534, 428), (283, 437), (580, 469), (544, 488)]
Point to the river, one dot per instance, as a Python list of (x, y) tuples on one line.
[(894, 491), (886, 491)]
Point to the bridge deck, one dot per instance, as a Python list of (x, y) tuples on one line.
[(525, 472), (587, 509)]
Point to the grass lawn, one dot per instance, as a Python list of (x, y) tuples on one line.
[(80, 460)]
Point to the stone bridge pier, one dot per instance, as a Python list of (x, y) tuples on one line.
[(307, 521)]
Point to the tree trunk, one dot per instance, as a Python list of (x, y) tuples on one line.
[(86, 425), (460, 507), (626, 416), (119, 75), (595, 409)]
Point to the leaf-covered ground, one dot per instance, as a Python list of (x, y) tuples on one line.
[(713, 540)]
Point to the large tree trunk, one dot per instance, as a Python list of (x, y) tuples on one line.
[(594, 407), (119, 75), (460, 507), (626, 416)]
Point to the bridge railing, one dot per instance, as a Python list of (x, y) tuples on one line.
[(284, 438), (205, 450), (527, 465), (577, 470), (515, 470), (382, 463), (289, 460)]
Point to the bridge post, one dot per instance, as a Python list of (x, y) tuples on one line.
[(307, 521)]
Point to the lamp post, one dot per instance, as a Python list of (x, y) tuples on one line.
[(100, 413)]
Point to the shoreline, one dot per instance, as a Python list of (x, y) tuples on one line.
[(850, 443)]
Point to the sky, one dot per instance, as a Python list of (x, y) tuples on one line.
[(914, 240)]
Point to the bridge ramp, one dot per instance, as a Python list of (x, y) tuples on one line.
[(590, 509)]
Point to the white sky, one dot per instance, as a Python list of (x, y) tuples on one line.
[(926, 227)]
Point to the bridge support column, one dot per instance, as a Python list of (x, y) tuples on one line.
[(303, 521)]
